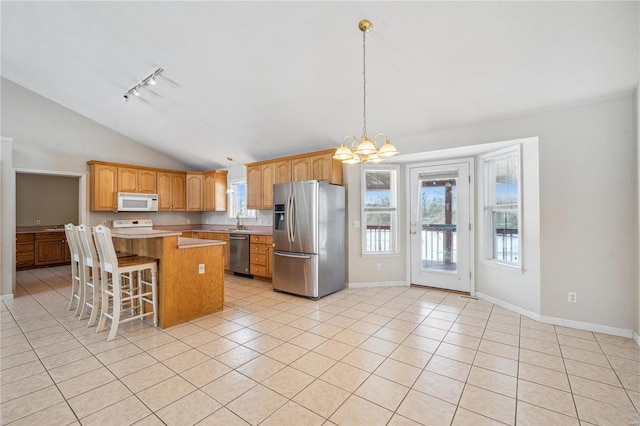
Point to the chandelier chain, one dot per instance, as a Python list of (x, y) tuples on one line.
[(364, 83)]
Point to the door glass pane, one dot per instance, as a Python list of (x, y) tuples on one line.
[(439, 213)]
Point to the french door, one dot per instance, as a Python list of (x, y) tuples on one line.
[(439, 227)]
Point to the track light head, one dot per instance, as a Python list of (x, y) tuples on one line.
[(148, 80)]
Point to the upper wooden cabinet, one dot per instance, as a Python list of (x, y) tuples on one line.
[(268, 174), (194, 192), (312, 166), (132, 179), (283, 171), (103, 187), (215, 191), (301, 169), (177, 190), (172, 191), (254, 187)]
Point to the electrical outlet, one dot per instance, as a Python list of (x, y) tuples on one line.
[(37, 221), (378, 266), (201, 268), (573, 297), (188, 221)]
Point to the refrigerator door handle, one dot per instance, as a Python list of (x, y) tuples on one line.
[(295, 256), (289, 218), (293, 217)]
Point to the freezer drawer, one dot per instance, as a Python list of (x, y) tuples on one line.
[(295, 273)]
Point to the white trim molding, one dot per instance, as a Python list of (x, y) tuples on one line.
[(378, 284), (6, 297), (588, 326)]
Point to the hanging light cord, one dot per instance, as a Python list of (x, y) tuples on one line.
[(364, 83)]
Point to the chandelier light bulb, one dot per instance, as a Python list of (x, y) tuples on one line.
[(135, 92), (152, 80)]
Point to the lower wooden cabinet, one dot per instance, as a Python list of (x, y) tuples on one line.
[(261, 256), (51, 248), (25, 250)]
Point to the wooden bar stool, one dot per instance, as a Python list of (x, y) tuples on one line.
[(91, 274), (77, 269), (125, 292)]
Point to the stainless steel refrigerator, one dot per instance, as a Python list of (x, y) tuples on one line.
[(308, 238)]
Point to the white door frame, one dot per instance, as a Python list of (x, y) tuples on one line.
[(472, 211)]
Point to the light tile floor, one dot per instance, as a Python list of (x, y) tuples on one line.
[(386, 355)]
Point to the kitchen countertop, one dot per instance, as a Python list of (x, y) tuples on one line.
[(36, 229), (222, 229), (172, 229)]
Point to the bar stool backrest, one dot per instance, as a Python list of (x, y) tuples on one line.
[(87, 246), (106, 251), (72, 240)]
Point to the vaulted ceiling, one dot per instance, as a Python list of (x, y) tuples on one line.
[(256, 80)]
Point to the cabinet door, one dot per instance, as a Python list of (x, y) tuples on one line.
[(127, 179), (268, 174), (147, 181), (50, 252), (283, 171), (179, 189), (194, 192), (221, 191), (254, 188), (104, 186), (321, 166), (209, 191), (301, 169), (165, 203)]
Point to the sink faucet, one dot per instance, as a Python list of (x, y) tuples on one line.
[(239, 225)]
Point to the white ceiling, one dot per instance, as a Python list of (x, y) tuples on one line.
[(257, 80)]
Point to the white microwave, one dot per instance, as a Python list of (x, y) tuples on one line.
[(135, 202)]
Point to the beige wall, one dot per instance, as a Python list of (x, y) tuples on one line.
[(587, 238), (50, 137), (51, 200)]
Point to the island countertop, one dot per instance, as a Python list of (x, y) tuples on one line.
[(185, 243), (143, 233)]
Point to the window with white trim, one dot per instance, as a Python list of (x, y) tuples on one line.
[(502, 206), (379, 210), (238, 201)]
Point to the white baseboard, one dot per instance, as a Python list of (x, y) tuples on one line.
[(636, 337), (378, 284), (5, 297), (588, 326)]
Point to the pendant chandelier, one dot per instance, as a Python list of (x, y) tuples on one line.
[(365, 149)]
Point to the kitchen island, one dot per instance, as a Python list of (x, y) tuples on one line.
[(190, 271)]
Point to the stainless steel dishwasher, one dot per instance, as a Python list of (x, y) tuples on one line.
[(239, 244)]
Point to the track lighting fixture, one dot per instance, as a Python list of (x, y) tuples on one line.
[(148, 80)]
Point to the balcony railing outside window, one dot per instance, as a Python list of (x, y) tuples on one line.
[(506, 245)]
